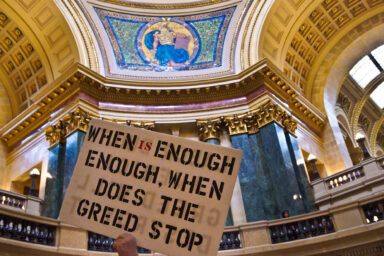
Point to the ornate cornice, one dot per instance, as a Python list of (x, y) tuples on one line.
[(209, 129), (250, 122), (79, 83), (292, 95), (79, 119), (73, 121)]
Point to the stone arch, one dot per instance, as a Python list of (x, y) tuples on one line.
[(332, 71), (343, 121), (360, 104)]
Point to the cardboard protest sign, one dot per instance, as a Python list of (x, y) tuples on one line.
[(171, 193)]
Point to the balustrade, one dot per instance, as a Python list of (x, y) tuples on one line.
[(19, 202), (356, 182), (27, 231), (230, 240), (12, 200), (96, 242), (374, 211), (345, 177), (301, 229), (331, 229)]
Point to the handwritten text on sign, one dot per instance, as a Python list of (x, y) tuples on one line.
[(173, 194)]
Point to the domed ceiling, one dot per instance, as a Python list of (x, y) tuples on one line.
[(181, 40)]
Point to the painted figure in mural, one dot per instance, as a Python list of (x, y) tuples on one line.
[(171, 48)]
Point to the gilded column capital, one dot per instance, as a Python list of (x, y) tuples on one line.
[(76, 120), (148, 125), (55, 133), (73, 121), (250, 121), (289, 123), (209, 129), (236, 124), (270, 112)]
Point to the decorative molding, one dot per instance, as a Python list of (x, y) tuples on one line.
[(375, 132), (209, 129), (236, 124), (271, 112), (250, 122), (80, 83), (301, 107), (364, 123), (344, 103), (75, 120), (79, 119), (380, 139), (39, 113)]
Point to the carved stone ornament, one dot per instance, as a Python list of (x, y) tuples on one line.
[(236, 124), (250, 122), (209, 129), (75, 120)]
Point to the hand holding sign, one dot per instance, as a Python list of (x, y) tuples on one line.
[(125, 245), (173, 194)]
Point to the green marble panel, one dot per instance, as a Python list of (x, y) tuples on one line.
[(73, 146), (278, 162), (54, 186), (249, 184), (301, 176)]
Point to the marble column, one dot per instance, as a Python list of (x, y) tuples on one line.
[(277, 162), (54, 184), (250, 190), (66, 138), (72, 150), (263, 186), (301, 173), (269, 179), (237, 206)]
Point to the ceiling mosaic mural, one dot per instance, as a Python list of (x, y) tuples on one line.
[(177, 43)]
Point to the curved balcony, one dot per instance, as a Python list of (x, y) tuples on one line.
[(350, 225)]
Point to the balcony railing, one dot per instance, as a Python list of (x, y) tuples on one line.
[(355, 182), (96, 242), (301, 229), (11, 199), (230, 240), (331, 228), (355, 216), (19, 202), (26, 230), (374, 211), (337, 180)]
